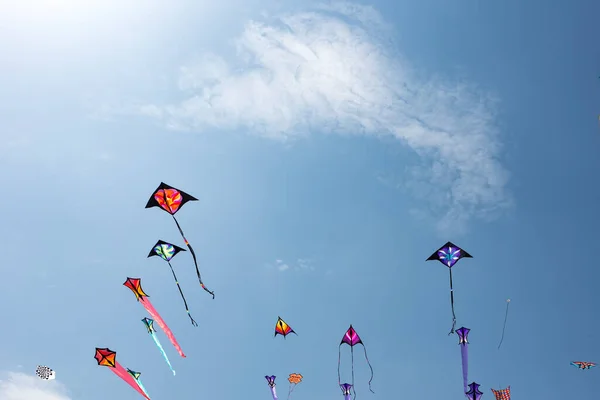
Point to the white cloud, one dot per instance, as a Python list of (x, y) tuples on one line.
[(19, 386), (335, 69)]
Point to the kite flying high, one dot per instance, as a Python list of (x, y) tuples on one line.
[(463, 342), (149, 324), (502, 394), (271, 383), (282, 328), (449, 254), (171, 200), (583, 364), (108, 358), (351, 338)]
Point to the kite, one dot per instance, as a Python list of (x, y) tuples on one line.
[(171, 200), (449, 254), (282, 328), (502, 394), (149, 323), (136, 376), (135, 285), (351, 338), (167, 251), (45, 373), (271, 383), (108, 358), (294, 379), (463, 342), (474, 393), (346, 390), (583, 364), (504, 326)]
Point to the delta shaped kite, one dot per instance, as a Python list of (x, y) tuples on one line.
[(149, 324), (108, 358), (271, 383), (474, 393), (449, 254), (45, 373), (167, 251), (294, 379), (463, 342), (351, 338), (171, 200), (346, 390), (583, 364), (136, 377), (135, 285), (502, 394), (282, 328)]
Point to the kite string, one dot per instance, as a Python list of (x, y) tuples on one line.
[(368, 362), (193, 256), (452, 304), (504, 326), (182, 296), (352, 362)]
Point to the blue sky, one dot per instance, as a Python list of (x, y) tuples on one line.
[(347, 141)]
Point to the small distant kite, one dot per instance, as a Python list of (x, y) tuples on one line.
[(502, 394), (45, 373), (583, 364), (167, 251), (149, 324), (463, 342), (449, 254), (351, 338), (135, 285), (136, 377), (171, 200), (271, 383), (282, 328), (346, 389), (474, 393), (294, 379), (108, 358)]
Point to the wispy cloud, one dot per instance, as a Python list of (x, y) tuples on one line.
[(19, 386), (335, 69), (281, 265), (302, 264)]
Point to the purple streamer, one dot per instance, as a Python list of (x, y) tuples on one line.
[(464, 353)]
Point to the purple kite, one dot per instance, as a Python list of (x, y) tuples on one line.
[(474, 393), (346, 390), (271, 383), (463, 342), (351, 338), (449, 254)]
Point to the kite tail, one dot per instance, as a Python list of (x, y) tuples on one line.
[(182, 296), (352, 363), (339, 362), (162, 351), (141, 385), (367, 358), (123, 374), (504, 326), (464, 353), (154, 314), (274, 393), (452, 304), (189, 246), (290, 390)]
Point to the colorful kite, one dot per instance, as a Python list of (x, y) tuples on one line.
[(346, 387), (504, 326), (136, 376), (282, 328), (583, 364), (108, 358), (271, 383), (294, 379), (474, 393), (135, 285), (167, 251), (171, 200), (45, 373), (463, 342), (351, 338), (449, 254), (149, 323), (502, 394)]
